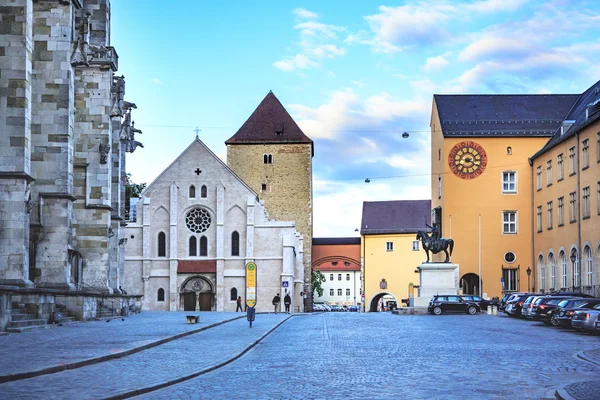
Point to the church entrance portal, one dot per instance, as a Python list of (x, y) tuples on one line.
[(469, 284), (383, 302), (197, 293)]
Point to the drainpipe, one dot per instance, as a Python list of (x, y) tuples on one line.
[(364, 273), (579, 170), (533, 229)]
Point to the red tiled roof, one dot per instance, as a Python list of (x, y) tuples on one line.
[(196, 266), (269, 123)]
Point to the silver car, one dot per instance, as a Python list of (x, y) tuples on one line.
[(587, 320), (526, 312)]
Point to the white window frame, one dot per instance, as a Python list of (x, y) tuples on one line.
[(539, 218), (549, 215), (577, 271), (331, 292), (542, 273), (585, 153), (339, 277), (389, 246), (506, 182), (561, 211), (339, 292), (549, 173), (590, 265), (347, 277), (560, 174), (510, 223), (552, 271), (347, 292), (439, 187), (585, 206), (330, 277), (572, 207), (563, 261), (510, 280), (572, 167), (539, 177)]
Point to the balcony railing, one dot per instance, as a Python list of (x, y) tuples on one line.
[(592, 290)]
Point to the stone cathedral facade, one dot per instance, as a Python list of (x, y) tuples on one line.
[(65, 128)]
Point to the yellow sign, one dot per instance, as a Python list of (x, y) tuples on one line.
[(250, 284)]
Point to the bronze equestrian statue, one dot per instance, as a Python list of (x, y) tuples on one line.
[(434, 243)]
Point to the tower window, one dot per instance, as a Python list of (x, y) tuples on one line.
[(233, 296), (203, 191), (160, 296), (235, 244), (193, 248), (192, 192), (268, 158), (162, 244)]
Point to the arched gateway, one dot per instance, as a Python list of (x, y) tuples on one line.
[(382, 302), (197, 294)]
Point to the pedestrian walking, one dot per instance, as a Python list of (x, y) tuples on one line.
[(239, 304), (276, 301), (287, 301)]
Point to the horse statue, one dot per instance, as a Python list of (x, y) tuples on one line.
[(435, 244)]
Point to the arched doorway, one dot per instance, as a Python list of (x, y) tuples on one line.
[(197, 294), (469, 284), (383, 302)]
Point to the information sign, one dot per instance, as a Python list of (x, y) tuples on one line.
[(251, 284)]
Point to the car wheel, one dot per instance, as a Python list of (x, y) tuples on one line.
[(437, 310), (472, 310), (554, 321)]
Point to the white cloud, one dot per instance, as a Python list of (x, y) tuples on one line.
[(360, 83), (315, 43), (303, 13), (299, 61), (435, 64), (493, 6), (157, 81)]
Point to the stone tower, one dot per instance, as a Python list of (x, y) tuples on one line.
[(274, 157)]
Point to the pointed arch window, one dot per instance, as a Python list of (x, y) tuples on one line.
[(563, 264), (542, 270), (203, 191), (233, 295), (235, 244), (160, 295), (203, 246), (193, 246), (162, 244), (192, 192), (589, 262)]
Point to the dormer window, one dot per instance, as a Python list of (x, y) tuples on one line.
[(564, 127), (593, 107)]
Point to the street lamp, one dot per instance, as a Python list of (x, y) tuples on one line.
[(528, 270), (573, 259)]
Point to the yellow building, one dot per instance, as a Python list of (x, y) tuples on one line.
[(481, 183), (274, 157), (566, 200), (389, 258)]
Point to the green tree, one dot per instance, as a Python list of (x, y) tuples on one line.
[(317, 278), (132, 190)]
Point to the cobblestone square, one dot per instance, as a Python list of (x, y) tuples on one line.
[(326, 355)]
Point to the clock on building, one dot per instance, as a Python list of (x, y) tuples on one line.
[(467, 160)]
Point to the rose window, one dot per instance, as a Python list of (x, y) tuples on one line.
[(197, 220)]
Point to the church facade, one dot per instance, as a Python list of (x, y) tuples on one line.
[(198, 225)]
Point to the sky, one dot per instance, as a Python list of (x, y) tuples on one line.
[(354, 75)]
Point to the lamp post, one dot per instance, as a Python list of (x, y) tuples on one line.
[(528, 270), (573, 259)]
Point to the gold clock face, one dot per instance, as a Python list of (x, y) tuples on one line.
[(467, 160)]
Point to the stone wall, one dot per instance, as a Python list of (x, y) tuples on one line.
[(288, 180), (16, 45)]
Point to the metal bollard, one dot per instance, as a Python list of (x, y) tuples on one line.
[(489, 310), (495, 310)]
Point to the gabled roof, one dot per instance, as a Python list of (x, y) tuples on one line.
[(201, 143), (269, 123), (484, 115), (400, 216), (589, 99)]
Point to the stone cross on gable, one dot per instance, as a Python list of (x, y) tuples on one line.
[(197, 130)]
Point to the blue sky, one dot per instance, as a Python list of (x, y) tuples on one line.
[(355, 75)]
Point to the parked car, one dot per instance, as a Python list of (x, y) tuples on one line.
[(507, 299), (527, 309), (566, 309), (481, 302), (543, 309), (318, 307), (514, 306), (353, 308), (451, 303), (587, 320)]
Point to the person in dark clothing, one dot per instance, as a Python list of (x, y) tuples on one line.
[(276, 301), (287, 301), (239, 304)]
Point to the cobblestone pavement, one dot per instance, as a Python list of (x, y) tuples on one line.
[(82, 341), (163, 363), (587, 390), (376, 355)]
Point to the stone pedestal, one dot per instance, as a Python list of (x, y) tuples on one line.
[(436, 278)]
